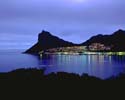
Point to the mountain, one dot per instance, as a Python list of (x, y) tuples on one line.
[(115, 40), (46, 41)]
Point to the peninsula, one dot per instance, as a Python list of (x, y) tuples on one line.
[(99, 44)]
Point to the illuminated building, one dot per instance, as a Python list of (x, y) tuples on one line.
[(98, 47)]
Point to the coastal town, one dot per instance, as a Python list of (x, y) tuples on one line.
[(91, 49), (81, 49)]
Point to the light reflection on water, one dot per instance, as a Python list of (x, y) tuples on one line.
[(96, 65)]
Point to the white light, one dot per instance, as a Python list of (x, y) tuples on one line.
[(79, 1)]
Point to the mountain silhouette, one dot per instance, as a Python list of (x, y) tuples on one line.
[(115, 40), (46, 41)]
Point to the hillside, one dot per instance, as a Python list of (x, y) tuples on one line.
[(46, 41), (115, 40)]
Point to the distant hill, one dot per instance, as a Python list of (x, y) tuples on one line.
[(46, 41), (115, 40)]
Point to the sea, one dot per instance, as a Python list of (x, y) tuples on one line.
[(101, 66)]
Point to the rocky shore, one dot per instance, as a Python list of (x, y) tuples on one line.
[(36, 74)]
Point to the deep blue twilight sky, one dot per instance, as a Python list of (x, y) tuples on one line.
[(73, 20)]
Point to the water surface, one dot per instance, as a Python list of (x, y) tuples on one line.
[(95, 65)]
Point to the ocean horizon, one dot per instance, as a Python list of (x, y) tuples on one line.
[(100, 66)]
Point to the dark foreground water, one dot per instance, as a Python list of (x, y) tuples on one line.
[(96, 65)]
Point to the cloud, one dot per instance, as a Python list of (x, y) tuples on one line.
[(64, 18)]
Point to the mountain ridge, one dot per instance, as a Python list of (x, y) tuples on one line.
[(116, 40), (47, 41)]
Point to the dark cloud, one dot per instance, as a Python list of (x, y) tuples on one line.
[(73, 20)]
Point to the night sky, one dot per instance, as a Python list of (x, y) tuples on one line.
[(72, 20)]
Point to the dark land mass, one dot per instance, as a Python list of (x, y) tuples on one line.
[(47, 41), (35, 74), (116, 41)]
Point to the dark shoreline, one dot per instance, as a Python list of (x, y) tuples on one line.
[(36, 74)]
